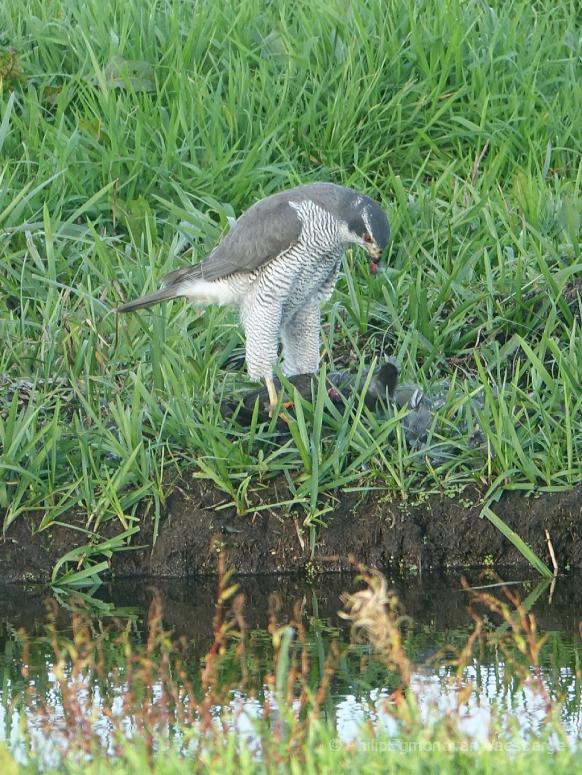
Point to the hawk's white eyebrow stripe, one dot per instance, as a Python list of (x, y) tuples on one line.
[(366, 221)]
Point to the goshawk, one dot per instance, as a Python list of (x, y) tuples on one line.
[(278, 263)]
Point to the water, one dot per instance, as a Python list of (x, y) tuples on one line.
[(436, 605)]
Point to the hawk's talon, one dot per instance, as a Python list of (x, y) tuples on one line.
[(282, 416)]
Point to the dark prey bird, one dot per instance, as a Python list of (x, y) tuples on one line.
[(278, 263), (340, 386)]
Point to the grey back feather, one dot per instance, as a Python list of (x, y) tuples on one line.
[(266, 230)]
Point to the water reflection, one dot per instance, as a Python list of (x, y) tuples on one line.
[(361, 686)]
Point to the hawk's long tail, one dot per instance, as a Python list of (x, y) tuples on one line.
[(164, 294)]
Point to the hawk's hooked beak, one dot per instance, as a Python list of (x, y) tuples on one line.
[(373, 251)]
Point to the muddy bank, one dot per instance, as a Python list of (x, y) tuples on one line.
[(440, 532)]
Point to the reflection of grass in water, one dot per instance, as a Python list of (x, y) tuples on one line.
[(118, 129), (105, 683)]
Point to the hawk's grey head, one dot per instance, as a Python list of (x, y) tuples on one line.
[(365, 224)]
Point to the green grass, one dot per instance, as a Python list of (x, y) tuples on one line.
[(124, 125), (325, 754)]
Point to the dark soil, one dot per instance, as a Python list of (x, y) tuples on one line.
[(382, 532)]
